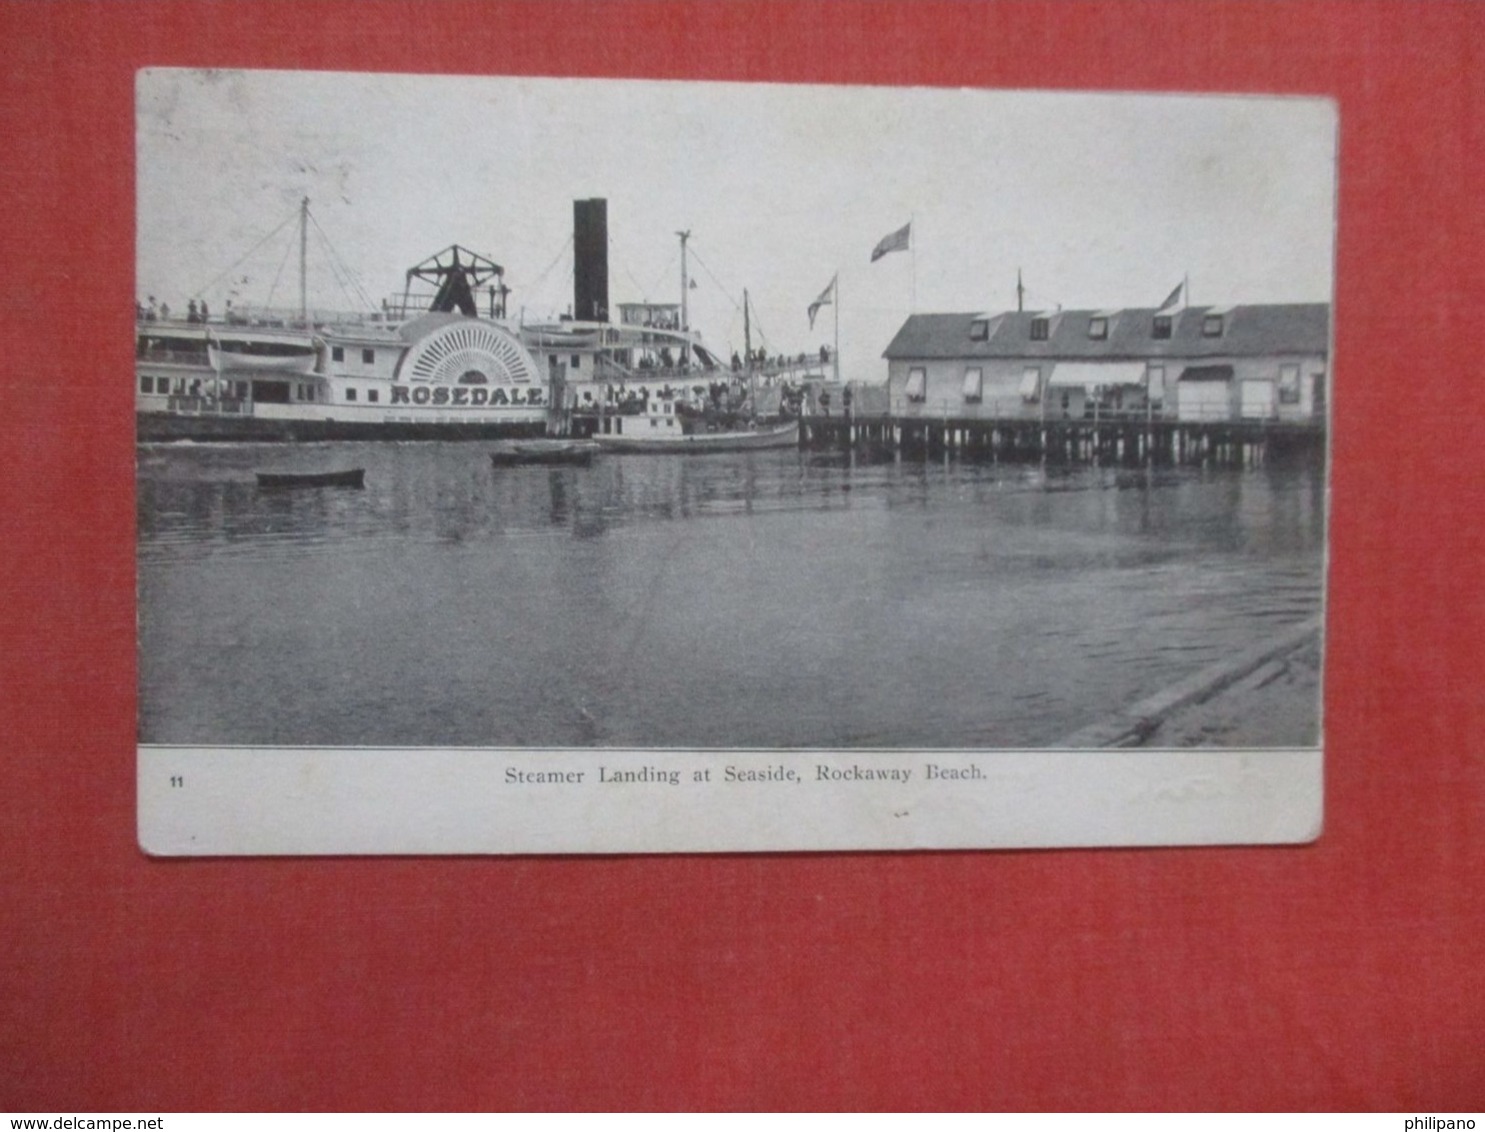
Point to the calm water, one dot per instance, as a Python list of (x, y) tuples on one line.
[(755, 599)]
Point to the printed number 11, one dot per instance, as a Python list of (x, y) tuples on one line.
[(177, 780)]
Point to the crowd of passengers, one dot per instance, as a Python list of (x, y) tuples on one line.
[(148, 310), (760, 358), (665, 362), (714, 400)]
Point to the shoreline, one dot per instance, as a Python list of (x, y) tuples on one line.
[(1265, 696)]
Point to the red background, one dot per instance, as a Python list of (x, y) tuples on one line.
[(1348, 974)]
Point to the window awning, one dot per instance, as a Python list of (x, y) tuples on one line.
[(1093, 374), (1206, 373)]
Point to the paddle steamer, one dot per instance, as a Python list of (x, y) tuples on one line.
[(436, 368)]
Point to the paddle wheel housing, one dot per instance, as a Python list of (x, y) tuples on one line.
[(465, 352)]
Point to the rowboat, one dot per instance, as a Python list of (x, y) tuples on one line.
[(351, 477), (510, 452)]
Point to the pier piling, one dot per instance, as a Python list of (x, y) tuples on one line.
[(1131, 443)]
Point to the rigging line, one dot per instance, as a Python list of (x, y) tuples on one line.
[(734, 330), (337, 271), (764, 342), (720, 285), (655, 288), (734, 335), (555, 260), (347, 274), (762, 334), (288, 251), (336, 259), (624, 267), (287, 220), (639, 290)]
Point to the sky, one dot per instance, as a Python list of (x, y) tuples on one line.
[(1099, 200)]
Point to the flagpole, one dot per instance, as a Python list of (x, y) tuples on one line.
[(303, 261), (836, 356), (747, 334), (913, 248)]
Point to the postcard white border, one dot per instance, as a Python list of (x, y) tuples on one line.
[(288, 801)]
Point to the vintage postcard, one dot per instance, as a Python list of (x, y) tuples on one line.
[(578, 466)]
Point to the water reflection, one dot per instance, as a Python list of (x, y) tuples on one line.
[(752, 599)]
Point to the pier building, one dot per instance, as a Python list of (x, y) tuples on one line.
[(1212, 364), (1189, 384)]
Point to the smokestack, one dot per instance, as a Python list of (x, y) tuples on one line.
[(590, 259)]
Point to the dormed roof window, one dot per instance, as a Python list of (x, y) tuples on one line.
[(1160, 328), (1214, 322), (1041, 327), (1098, 327), (979, 330)]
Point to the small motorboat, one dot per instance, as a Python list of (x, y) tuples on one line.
[(351, 477), (675, 440), (554, 451)]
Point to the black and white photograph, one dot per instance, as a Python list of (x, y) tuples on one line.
[(576, 465)]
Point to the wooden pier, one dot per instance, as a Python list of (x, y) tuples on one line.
[(1110, 441)]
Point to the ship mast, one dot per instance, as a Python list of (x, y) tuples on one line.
[(747, 334), (685, 325), (748, 356)]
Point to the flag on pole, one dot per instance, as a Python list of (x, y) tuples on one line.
[(1170, 300), (826, 297), (894, 242)]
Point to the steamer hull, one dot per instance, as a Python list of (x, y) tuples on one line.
[(441, 376)]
